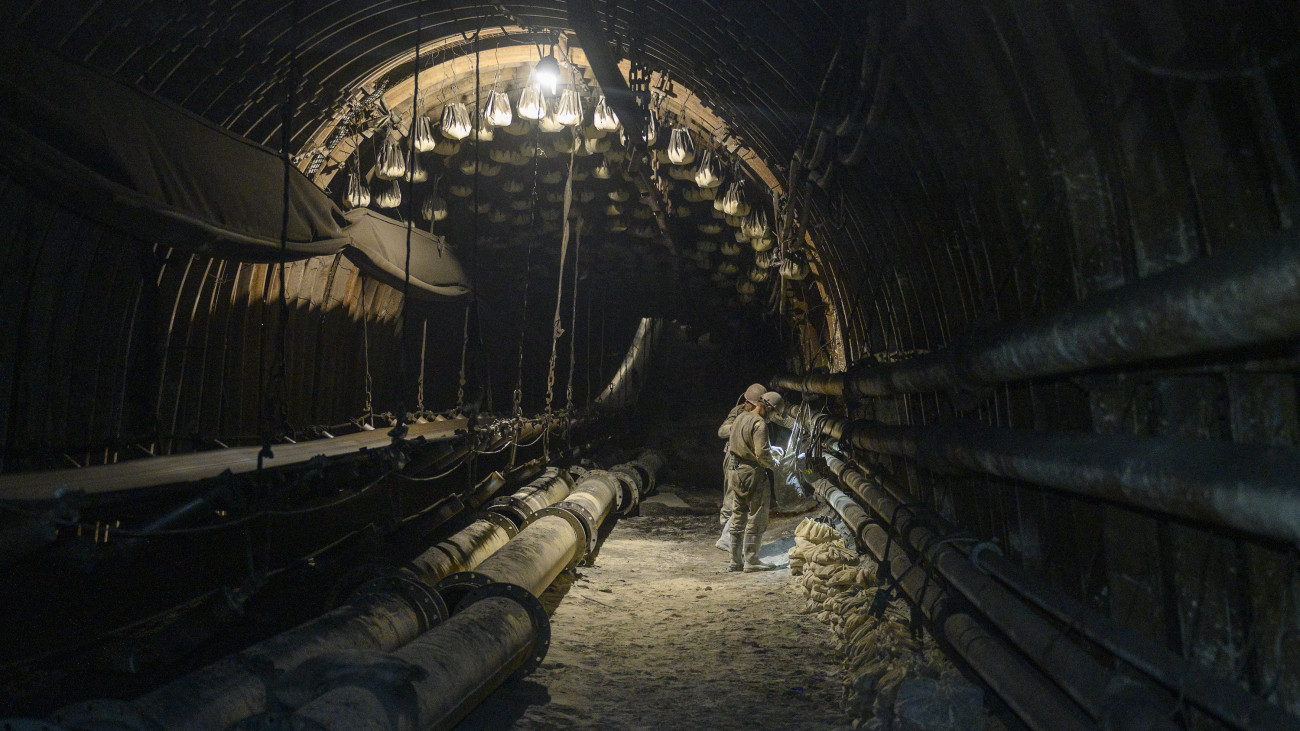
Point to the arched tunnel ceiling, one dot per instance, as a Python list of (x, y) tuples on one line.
[(995, 132), (227, 64), (951, 167)]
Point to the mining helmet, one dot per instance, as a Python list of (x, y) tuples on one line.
[(755, 392), (773, 400)]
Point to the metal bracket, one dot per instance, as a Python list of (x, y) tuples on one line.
[(425, 600), (536, 612)]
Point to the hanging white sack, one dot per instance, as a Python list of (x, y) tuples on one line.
[(415, 172), (496, 111), (531, 104), (358, 195), (735, 203), (391, 161), (604, 118), (390, 196), (709, 174), (455, 121), (569, 110), (681, 147), (422, 133)]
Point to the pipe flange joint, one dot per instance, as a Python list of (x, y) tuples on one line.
[(503, 522), (454, 587), (589, 524), (583, 525), (630, 482), (536, 613), (509, 507), (425, 600), (979, 550)]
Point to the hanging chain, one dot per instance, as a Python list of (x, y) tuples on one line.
[(573, 320), (369, 409), (557, 328), (518, 395), (419, 392), (464, 350)]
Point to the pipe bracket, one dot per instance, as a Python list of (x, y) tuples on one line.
[(427, 603), (536, 613)]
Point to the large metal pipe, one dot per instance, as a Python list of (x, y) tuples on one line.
[(1110, 699), (846, 507), (499, 628), (552, 486), (1211, 304), (557, 537), (1194, 683), (1246, 487), (460, 552), (1039, 703), (387, 616), (452, 671), (537, 555)]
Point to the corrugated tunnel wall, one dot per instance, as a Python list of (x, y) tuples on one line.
[(1011, 158)]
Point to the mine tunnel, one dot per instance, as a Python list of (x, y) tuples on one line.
[(397, 364)]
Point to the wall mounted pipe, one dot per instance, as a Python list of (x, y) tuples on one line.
[(1218, 696), (384, 617), (1216, 303), (844, 506), (1111, 699), (499, 628), (1038, 702), (1245, 487)]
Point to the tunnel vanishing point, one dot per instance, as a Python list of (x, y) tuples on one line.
[(347, 315)]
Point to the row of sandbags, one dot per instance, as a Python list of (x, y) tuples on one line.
[(893, 681)]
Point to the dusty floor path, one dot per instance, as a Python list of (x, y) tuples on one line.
[(658, 635)]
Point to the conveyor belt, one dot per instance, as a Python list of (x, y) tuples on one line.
[(179, 468)]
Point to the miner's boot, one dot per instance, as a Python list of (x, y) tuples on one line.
[(724, 543), (752, 563), (737, 559)]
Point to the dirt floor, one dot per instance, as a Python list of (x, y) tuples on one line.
[(657, 634)]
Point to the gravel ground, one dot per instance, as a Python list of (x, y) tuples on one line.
[(657, 634)]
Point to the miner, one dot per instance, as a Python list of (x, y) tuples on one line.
[(751, 396), (751, 481)]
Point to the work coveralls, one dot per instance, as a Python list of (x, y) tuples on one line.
[(752, 458), (724, 432)]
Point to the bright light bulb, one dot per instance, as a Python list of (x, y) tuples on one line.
[(546, 73)]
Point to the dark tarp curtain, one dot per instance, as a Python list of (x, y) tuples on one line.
[(162, 174), (379, 249)]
